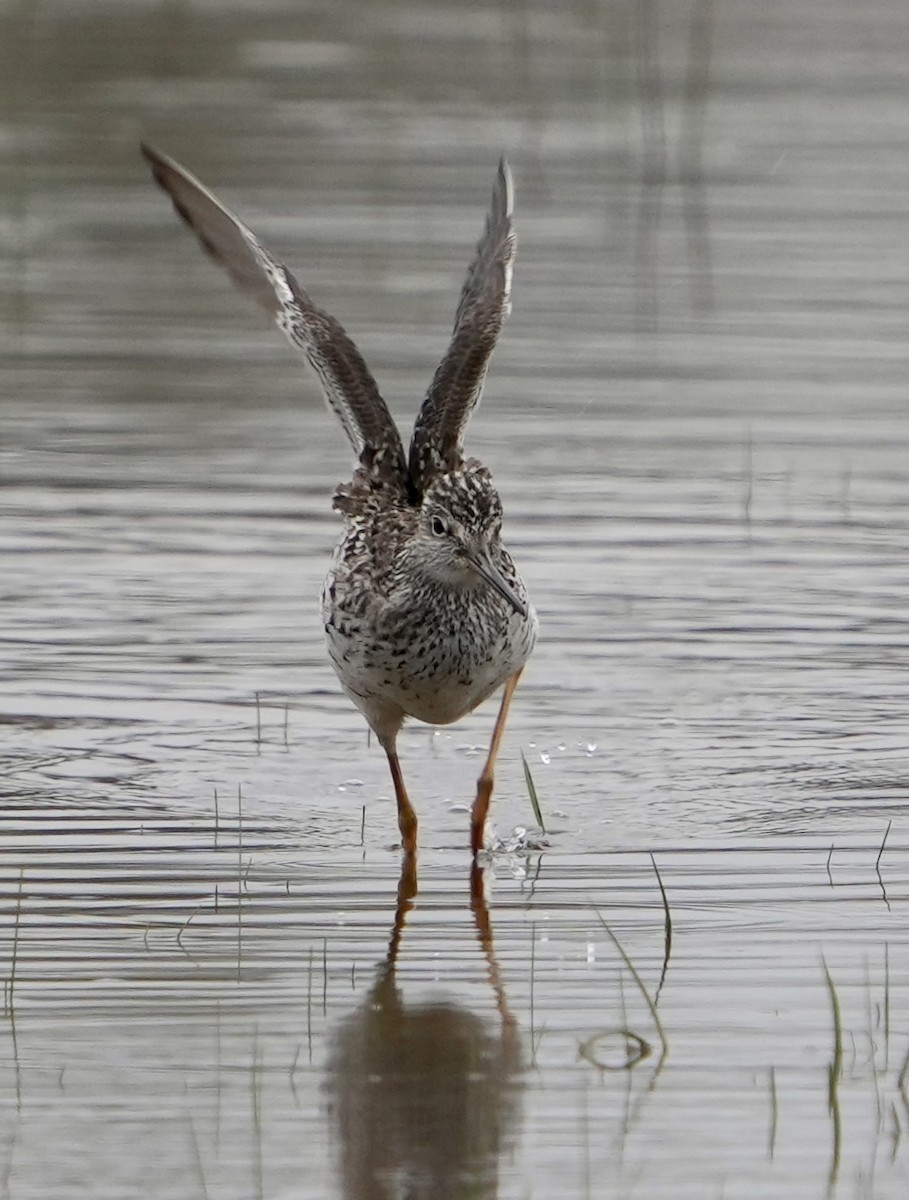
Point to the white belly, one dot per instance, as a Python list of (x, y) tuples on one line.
[(432, 674)]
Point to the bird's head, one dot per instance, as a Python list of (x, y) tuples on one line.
[(459, 539)]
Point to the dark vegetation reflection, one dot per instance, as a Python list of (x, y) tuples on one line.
[(424, 1099)]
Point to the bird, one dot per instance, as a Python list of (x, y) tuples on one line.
[(424, 611)]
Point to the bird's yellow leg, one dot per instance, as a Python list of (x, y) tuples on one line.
[(487, 778), (407, 818)]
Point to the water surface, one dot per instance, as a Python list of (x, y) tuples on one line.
[(216, 981)]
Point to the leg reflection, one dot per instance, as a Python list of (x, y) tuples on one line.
[(424, 1092), (484, 934), (407, 893)]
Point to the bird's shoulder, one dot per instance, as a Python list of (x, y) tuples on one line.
[(379, 520), (374, 495)]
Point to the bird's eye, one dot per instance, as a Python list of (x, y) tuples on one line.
[(439, 527)]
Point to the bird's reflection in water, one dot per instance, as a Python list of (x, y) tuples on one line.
[(425, 1097)]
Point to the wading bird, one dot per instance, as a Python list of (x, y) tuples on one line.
[(425, 613)]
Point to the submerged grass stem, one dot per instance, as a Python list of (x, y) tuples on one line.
[(642, 988)]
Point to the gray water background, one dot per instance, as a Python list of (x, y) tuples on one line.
[(698, 422)]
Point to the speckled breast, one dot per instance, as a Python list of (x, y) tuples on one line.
[(436, 661)]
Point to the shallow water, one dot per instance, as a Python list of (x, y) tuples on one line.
[(216, 983)]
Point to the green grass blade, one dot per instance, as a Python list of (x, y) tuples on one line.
[(532, 792)]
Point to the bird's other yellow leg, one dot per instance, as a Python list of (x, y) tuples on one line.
[(407, 818), (487, 778)]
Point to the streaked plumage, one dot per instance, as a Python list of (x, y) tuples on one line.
[(424, 611)]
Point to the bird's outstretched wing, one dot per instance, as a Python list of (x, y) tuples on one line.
[(347, 384), (457, 385)]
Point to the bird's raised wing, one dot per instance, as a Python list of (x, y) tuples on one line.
[(457, 385), (347, 384)]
